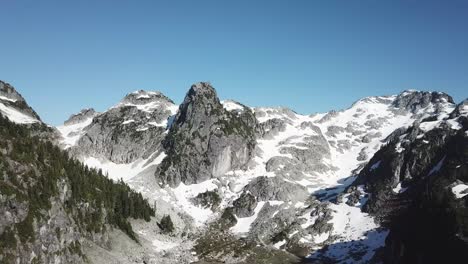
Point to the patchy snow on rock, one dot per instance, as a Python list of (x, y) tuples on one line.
[(128, 121), (183, 195), (7, 99), (279, 244), (354, 230), (460, 190), (16, 116), (243, 224)]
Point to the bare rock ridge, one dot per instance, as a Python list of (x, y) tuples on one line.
[(205, 140)]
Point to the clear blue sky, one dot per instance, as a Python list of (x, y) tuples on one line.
[(309, 55)]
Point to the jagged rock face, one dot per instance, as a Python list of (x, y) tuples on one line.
[(205, 140), (132, 130), (418, 185), (414, 100), (20, 111)]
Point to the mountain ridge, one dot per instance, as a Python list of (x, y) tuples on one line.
[(238, 176)]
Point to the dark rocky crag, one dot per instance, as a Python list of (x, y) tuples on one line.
[(205, 140), (410, 183)]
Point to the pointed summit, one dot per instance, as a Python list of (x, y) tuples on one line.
[(205, 140)]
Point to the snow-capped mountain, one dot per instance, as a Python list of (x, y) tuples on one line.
[(247, 184), (268, 175)]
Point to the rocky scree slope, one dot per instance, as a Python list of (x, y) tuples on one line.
[(50, 203)]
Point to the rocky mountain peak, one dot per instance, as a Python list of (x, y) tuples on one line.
[(8, 92), (211, 139), (202, 88), (413, 100), (81, 116), (201, 100), (143, 97)]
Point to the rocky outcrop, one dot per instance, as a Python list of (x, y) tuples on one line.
[(205, 140), (276, 189), (413, 101)]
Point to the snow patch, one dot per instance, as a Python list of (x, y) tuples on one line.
[(399, 189), (243, 224), (230, 105), (122, 171), (16, 116), (7, 99), (459, 189)]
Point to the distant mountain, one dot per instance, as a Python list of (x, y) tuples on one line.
[(381, 181)]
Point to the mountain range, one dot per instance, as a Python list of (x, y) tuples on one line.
[(211, 181)]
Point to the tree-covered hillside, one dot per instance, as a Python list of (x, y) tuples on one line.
[(37, 178)]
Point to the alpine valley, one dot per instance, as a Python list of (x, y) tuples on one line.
[(210, 181)]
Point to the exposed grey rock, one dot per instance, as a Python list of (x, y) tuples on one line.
[(414, 100), (209, 199), (205, 140), (271, 128), (132, 130), (245, 205), (332, 131), (278, 112), (81, 116), (276, 189)]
